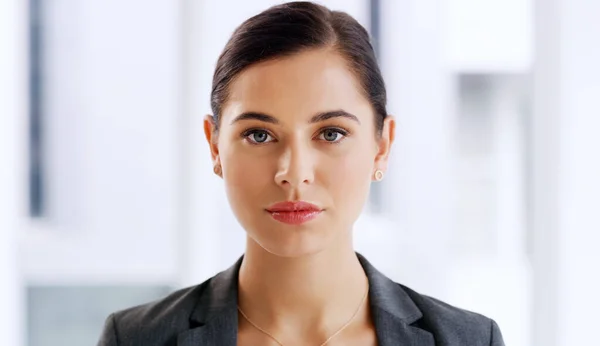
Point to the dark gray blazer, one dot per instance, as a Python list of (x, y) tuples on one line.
[(207, 315)]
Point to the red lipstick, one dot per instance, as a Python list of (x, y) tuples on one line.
[(294, 212)]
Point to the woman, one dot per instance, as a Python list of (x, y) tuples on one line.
[(299, 131)]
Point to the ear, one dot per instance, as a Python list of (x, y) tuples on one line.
[(384, 143), (212, 138)]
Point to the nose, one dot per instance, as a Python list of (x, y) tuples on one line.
[(295, 167)]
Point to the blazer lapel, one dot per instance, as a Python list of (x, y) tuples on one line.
[(218, 332), (393, 311), (394, 332), (215, 315)]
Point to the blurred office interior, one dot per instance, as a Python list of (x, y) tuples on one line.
[(491, 202)]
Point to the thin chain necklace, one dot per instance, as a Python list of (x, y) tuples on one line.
[(362, 301)]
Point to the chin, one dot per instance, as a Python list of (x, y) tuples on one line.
[(292, 253), (292, 243)]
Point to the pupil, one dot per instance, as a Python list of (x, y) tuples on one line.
[(330, 135), (260, 136)]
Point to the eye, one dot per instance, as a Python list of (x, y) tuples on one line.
[(258, 136), (332, 135)]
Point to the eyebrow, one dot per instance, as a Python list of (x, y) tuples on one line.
[(315, 119)]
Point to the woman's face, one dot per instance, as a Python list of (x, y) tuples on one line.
[(298, 129)]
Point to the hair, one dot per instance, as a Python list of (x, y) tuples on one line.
[(290, 28)]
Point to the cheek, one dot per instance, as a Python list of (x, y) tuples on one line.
[(246, 176), (348, 177), (247, 185)]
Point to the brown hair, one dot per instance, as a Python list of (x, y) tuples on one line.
[(290, 28)]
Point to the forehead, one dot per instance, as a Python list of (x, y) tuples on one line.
[(297, 87)]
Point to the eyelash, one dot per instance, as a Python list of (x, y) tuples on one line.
[(250, 132)]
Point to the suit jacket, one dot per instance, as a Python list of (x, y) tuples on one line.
[(207, 315)]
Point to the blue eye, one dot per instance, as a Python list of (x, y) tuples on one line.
[(332, 135), (258, 136)]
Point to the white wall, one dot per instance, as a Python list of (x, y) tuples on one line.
[(112, 109), (425, 44), (488, 36), (12, 116), (566, 171), (418, 182), (491, 273)]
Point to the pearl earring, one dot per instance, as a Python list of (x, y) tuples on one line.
[(379, 175)]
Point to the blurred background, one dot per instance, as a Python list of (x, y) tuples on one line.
[(491, 202)]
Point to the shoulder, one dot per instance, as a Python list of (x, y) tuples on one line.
[(162, 322), (453, 325), (426, 318), (404, 313), (155, 323)]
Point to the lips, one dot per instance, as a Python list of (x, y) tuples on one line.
[(294, 212)]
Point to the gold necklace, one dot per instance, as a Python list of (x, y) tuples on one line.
[(328, 339)]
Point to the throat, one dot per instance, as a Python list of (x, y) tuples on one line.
[(320, 293)]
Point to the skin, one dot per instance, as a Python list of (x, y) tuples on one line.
[(300, 283)]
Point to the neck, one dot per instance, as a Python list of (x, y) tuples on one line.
[(314, 292)]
